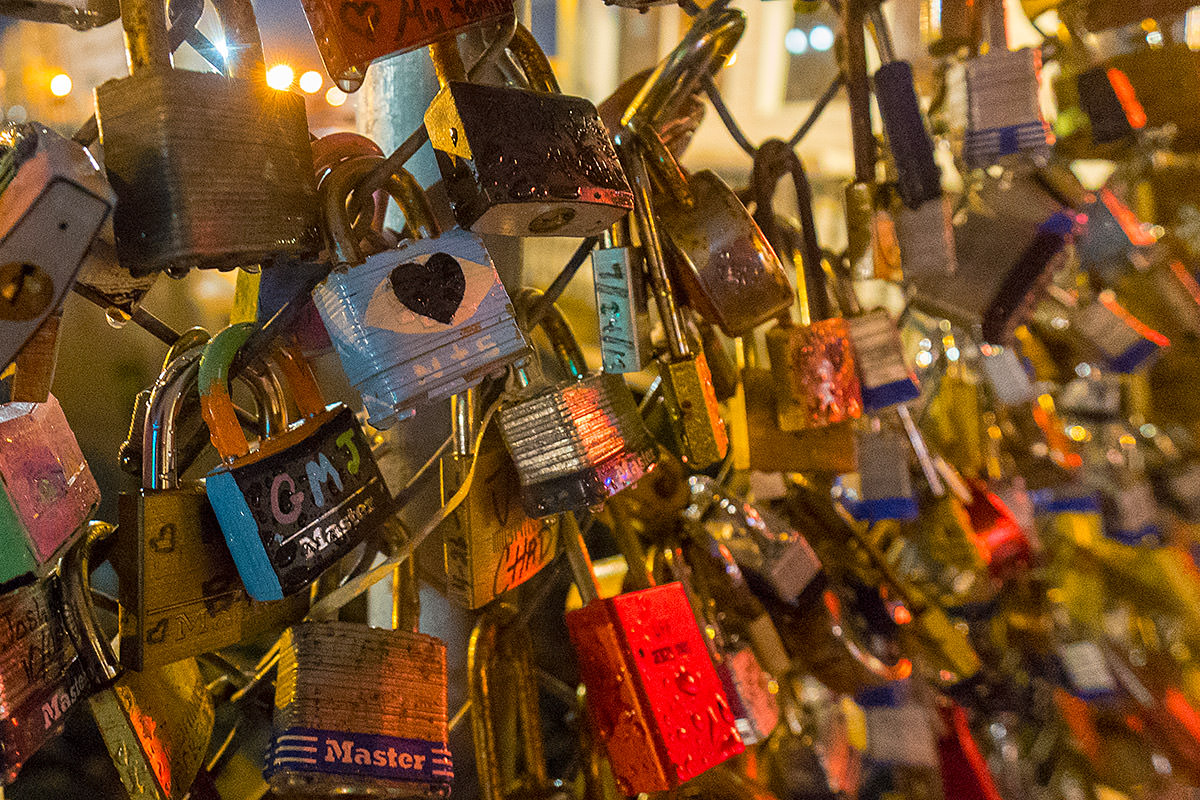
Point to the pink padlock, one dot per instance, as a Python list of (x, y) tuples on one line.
[(47, 490)]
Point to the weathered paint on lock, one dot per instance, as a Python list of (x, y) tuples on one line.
[(296, 506)]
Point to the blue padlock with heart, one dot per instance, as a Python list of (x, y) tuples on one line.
[(417, 322)]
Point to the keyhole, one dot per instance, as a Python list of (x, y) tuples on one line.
[(16, 284)]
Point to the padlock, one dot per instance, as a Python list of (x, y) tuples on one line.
[(1015, 213), (688, 391), (500, 643), (54, 202), (351, 35), (41, 677), (568, 182), (1004, 115), (416, 323), (361, 710), (886, 488), (655, 700), (900, 729), (491, 544), (1163, 293), (209, 170), (1006, 375), (157, 724), (1121, 341), (1105, 14), (813, 363), (618, 274), (765, 548), (1164, 79), (301, 500), (179, 589), (885, 377), (1110, 102), (726, 269), (903, 123), (81, 15), (47, 491), (1131, 514), (925, 236), (577, 442)]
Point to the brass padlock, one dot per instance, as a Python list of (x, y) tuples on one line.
[(180, 592), (686, 381), (491, 544), (155, 724)]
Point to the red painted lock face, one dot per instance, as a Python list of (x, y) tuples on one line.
[(353, 33), (653, 693)]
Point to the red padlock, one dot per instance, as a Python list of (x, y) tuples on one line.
[(653, 694)]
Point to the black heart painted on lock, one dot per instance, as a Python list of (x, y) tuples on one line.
[(434, 289), (361, 18)]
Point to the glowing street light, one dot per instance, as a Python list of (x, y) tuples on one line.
[(311, 81), (335, 96), (60, 85), (280, 77)]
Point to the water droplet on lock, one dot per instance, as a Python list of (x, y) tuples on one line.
[(685, 681), (116, 317)]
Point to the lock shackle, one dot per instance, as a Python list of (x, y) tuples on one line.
[(703, 50), (633, 161), (94, 648), (147, 47), (216, 404), (167, 400), (245, 58), (533, 62), (580, 559), (774, 159), (334, 148), (463, 423), (341, 185), (558, 330), (662, 162), (499, 637)]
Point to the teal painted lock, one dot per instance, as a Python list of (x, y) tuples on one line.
[(296, 503)]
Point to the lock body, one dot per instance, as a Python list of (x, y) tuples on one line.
[(300, 503), (721, 261), (624, 315), (831, 449), (885, 483), (40, 676), (911, 146), (879, 356), (815, 374), (746, 685), (350, 35), (180, 592), (50, 213), (1004, 116), (926, 239), (491, 543), (692, 403), (576, 443), (1122, 341), (360, 710), (636, 651), (47, 490), (209, 171), (522, 163), (419, 323), (156, 726), (1022, 217)]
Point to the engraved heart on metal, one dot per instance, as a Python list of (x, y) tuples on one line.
[(433, 289), (361, 18)]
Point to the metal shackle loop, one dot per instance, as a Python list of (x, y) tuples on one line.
[(244, 43), (557, 329), (533, 62), (496, 638), (216, 403), (343, 181), (703, 50), (94, 648), (661, 162)]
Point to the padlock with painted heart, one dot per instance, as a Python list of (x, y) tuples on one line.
[(416, 323)]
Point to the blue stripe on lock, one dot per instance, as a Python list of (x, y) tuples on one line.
[(242, 536), (889, 394)]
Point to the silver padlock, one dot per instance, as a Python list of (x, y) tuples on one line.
[(619, 276)]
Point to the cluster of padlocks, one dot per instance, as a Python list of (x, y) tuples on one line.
[(913, 519)]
